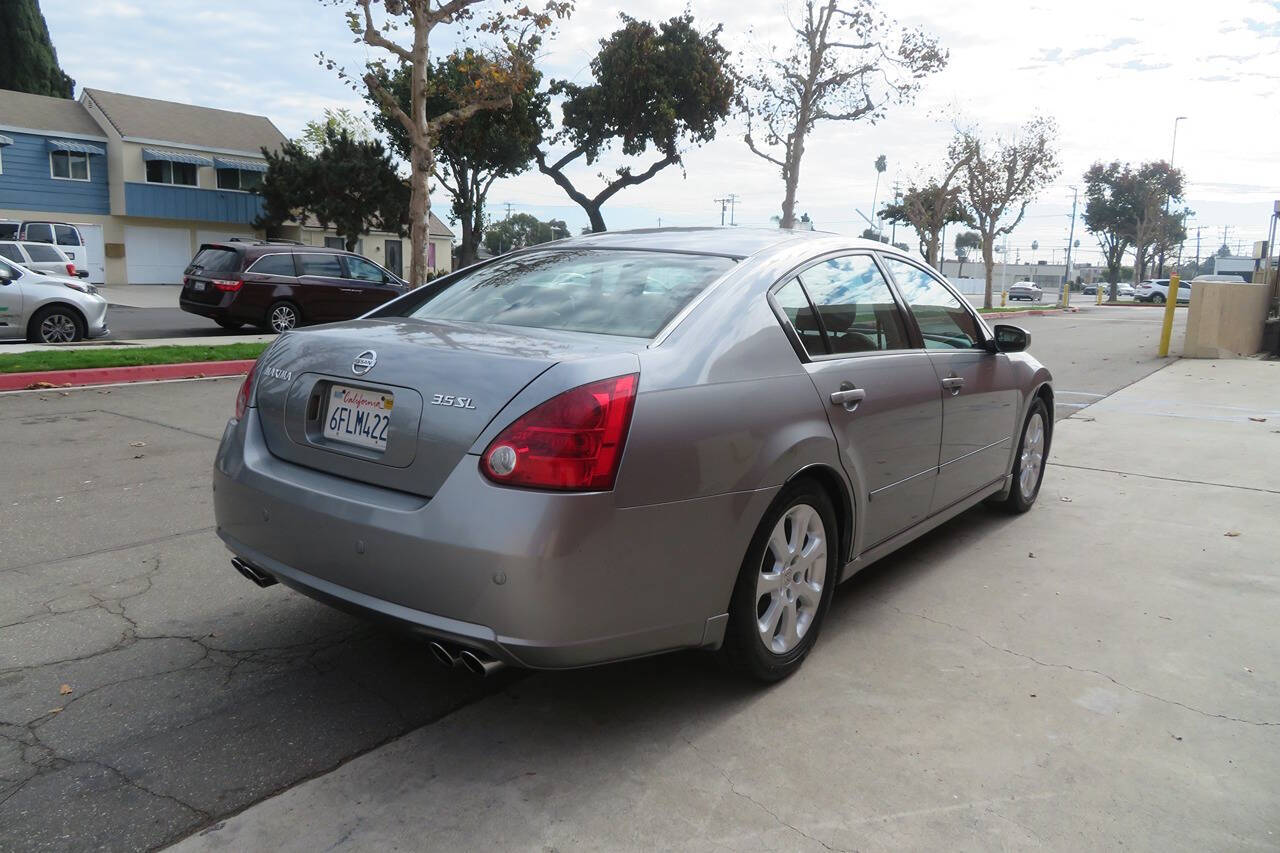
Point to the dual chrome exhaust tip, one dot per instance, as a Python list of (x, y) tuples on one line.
[(477, 663)]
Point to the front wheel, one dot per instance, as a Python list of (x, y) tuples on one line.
[(1028, 465), (56, 324), (785, 585), (1158, 298)]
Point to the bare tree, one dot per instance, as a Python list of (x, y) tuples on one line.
[(843, 64), (1154, 186), (1002, 178), (931, 203), (507, 70)]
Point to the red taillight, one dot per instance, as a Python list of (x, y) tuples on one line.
[(246, 391), (572, 442), (71, 269), (227, 283)]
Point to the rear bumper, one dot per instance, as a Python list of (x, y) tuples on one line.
[(204, 309), (536, 579)]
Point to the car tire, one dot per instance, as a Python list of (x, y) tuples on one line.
[(771, 642), (283, 316), (1158, 298), (1033, 451), (56, 324), (229, 325)]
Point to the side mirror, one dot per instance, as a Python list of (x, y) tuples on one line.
[(1011, 338), (6, 275)]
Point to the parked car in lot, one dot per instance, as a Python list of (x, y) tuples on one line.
[(1157, 290), (628, 443), (1123, 290), (1025, 290), (280, 285), (64, 235), (40, 257), (49, 309)]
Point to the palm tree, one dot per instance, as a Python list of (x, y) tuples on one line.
[(882, 165)]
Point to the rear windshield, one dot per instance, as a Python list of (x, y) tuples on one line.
[(608, 292), (42, 253), (213, 259)]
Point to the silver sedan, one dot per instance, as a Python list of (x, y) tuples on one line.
[(49, 309), (628, 443)]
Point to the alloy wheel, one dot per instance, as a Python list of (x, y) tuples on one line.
[(283, 318), (58, 329), (792, 574), (1032, 460)]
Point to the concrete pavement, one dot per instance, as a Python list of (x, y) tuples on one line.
[(1100, 673)]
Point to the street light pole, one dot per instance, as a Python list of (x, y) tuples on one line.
[(1173, 149), (1066, 278)]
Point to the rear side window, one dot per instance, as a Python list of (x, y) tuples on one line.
[(40, 232), (42, 253), (8, 230), (11, 252), (67, 236), (795, 304), (325, 265), (278, 264), (215, 259), (601, 291)]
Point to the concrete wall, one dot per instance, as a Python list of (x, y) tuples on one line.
[(1225, 320)]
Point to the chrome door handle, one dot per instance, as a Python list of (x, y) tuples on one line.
[(953, 384), (849, 397)]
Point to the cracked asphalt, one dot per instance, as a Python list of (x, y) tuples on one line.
[(145, 687)]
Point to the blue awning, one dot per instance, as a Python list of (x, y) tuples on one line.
[(242, 165), (5, 140), (176, 156), (74, 146)]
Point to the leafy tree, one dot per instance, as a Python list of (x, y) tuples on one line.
[(1108, 213), (1002, 178), (1224, 251), (931, 204), (873, 234), (842, 64), (348, 183), (520, 230), (966, 243), (882, 165), (471, 154), (512, 24), (652, 86), (28, 62), (313, 136), (1155, 185)]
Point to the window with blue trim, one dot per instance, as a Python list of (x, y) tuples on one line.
[(238, 179), (69, 165)]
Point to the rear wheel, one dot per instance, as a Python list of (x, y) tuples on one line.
[(1157, 298), (1028, 465), (785, 585), (283, 316), (56, 324)]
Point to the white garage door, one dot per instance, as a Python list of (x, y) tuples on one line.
[(94, 263), (156, 255)]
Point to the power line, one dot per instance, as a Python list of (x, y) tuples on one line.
[(727, 203)]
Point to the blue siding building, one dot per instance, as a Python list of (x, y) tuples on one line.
[(27, 181)]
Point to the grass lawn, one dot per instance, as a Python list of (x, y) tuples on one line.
[(73, 359)]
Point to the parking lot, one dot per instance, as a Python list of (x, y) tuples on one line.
[(1099, 671)]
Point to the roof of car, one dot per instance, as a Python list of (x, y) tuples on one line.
[(267, 247), (730, 241)]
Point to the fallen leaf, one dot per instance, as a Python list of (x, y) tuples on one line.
[(137, 444), (1065, 500), (1232, 533), (1175, 737), (37, 385), (1033, 695), (64, 689), (1259, 420), (1247, 669), (55, 711), (1031, 554), (139, 455)]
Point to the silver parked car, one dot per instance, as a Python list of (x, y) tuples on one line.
[(627, 443), (1027, 290), (40, 257), (49, 309)]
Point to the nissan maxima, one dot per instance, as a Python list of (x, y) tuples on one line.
[(628, 443)]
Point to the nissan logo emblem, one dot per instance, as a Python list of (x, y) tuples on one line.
[(364, 362)]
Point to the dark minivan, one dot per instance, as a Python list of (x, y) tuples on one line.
[(279, 285)]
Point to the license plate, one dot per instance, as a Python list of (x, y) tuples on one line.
[(358, 416), (197, 286)]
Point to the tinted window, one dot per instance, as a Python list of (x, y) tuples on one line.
[(164, 172), (11, 252), (362, 270), (326, 265), (943, 321), (854, 303), (43, 253), (40, 232), (335, 243), (793, 302), (281, 264), (9, 231), (611, 292), (212, 259), (67, 236)]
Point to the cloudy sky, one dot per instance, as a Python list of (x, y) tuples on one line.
[(1113, 74)]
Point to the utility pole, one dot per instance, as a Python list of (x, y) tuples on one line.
[(1197, 250), (727, 203), (897, 198), (508, 216), (733, 202), (1066, 282)]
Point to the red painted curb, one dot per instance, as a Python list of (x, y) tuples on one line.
[(1030, 312), (111, 375)]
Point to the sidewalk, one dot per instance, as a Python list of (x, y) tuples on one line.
[(1098, 673), (112, 343), (141, 295)]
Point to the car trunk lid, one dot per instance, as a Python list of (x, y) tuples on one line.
[(443, 383)]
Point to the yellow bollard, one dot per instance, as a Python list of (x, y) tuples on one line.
[(1166, 329), (1099, 294), (1003, 296)]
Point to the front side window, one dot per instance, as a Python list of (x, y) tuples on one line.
[(322, 265), (66, 235), (944, 322), (855, 306), (39, 232), (164, 172), (362, 270), (69, 165), (599, 291)]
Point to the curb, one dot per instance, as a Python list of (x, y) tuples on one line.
[(112, 375), (1030, 312)]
